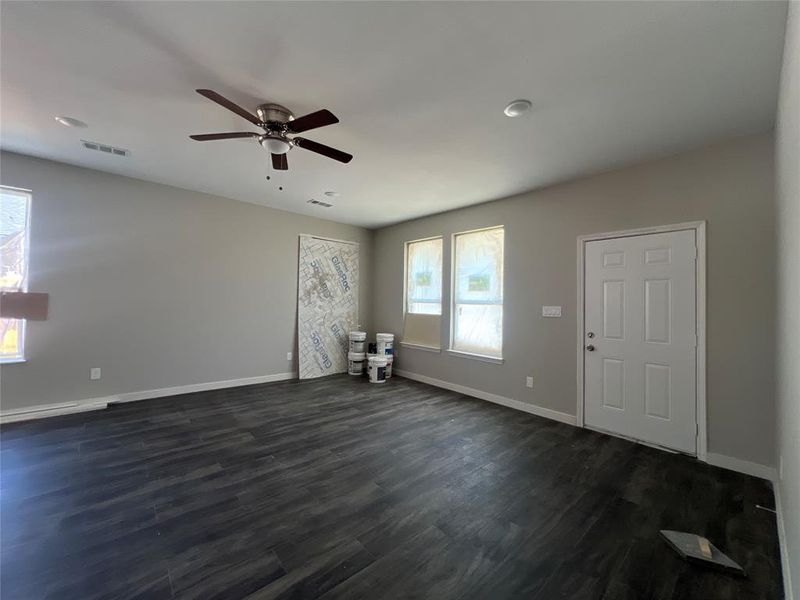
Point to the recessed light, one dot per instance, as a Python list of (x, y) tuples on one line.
[(70, 122), (517, 108), (332, 194)]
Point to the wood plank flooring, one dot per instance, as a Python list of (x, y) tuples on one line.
[(337, 488)]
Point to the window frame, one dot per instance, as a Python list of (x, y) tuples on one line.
[(26, 254), (453, 260), (411, 345), (405, 273)]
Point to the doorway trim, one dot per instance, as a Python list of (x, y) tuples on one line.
[(699, 228)]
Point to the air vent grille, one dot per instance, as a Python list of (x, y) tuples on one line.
[(105, 148), (320, 203)]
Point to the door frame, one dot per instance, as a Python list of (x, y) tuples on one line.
[(699, 228)]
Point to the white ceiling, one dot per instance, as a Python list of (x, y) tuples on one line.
[(419, 89)]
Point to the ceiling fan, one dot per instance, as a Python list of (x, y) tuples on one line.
[(278, 122)]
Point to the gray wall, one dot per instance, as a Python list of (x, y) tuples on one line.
[(787, 160), (729, 185), (156, 285), (163, 287)]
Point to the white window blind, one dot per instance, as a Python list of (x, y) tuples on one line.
[(478, 292), (14, 230), (423, 302)]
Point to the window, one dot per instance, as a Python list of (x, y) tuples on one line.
[(478, 292), (423, 301), (15, 208), (424, 277)]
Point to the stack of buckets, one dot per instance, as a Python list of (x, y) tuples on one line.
[(377, 360)]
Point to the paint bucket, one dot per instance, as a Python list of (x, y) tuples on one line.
[(358, 340), (385, 343), (389, 361), (377, 369), (356, 361), (366, 361)]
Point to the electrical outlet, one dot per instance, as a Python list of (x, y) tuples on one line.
[(94, 373), (529, 382), (288, 356)]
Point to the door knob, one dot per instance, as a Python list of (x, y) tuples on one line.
[(590, 348)]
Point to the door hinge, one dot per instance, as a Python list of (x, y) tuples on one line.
[(692, 340), (694, 253)]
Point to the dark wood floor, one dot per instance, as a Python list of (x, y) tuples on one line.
[(342, 489)]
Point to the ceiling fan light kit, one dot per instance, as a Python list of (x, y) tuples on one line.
[(279, 123), (274, 144)]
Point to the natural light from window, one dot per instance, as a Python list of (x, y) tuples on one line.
[(478, 292), (424, 277), (14, 231)]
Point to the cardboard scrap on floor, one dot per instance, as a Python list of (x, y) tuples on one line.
[(699, 550)]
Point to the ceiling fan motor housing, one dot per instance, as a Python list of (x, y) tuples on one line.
[(275, 113)]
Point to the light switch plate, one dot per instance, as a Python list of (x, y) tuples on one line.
[(94, 373), (529, 382), (551, 311)]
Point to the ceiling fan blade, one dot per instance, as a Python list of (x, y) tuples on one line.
[(323, 149), (280, 162), (222, 101), (321, 118), (205, 137)]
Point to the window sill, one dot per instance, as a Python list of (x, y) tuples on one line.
[(420, 347), (12, 361), (480, 357)]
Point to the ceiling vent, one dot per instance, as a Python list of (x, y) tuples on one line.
[(320, 203), (105, 148)]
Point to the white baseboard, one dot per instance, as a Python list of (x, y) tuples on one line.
[(742, 466), (198, 387), (52, 410), (785, 564), (533, 409)]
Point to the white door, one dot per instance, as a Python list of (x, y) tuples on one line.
[(640, 338)]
